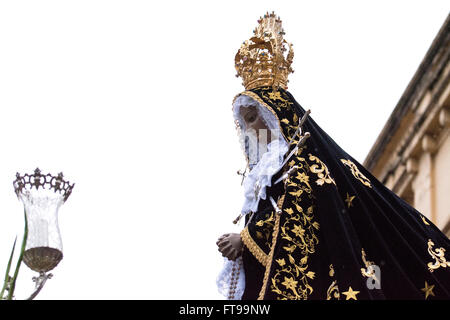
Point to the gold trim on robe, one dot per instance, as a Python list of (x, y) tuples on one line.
[(253, 247)]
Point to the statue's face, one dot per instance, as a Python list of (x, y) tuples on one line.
[(254, 121), (257, 135)]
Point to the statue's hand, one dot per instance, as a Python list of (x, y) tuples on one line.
[(230, 245)]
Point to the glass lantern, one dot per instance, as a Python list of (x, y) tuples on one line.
[(42, 196)]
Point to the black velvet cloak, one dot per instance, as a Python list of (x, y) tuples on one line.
[(341, 233)]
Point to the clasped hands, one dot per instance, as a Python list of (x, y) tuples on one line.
[(230, 245)]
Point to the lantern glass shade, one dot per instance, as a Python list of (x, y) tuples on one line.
[(43, 249), (42, 196)]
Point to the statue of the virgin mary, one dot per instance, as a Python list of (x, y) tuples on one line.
[(318, 225)]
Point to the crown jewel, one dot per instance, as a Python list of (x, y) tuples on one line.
[(263, 60)]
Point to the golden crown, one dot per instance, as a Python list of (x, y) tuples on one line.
[(262, 60)]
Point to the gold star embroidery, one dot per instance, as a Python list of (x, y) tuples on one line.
[(350, 294), (428, 290), (349, 200)]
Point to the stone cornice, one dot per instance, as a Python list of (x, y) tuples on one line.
[(430, 71)]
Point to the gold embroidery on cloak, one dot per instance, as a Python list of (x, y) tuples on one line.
[(333, 289), (291, 277), (425, 221), (356, 173), (349, 200), (438, 255), (428, 290), (322, 171), (265, 228), (368, 272)]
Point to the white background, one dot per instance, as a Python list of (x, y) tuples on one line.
[(132, 101)]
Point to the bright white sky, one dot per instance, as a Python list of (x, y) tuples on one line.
[(132, 101)]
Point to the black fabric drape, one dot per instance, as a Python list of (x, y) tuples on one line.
[(341, 234)]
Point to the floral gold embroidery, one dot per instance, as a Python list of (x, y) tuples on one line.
[(281, 262), (321, 170), (277, 98), (333, 291), (275, 95), (291, 279), (438, 255), (265, 226), (356, 173), (290, 284)]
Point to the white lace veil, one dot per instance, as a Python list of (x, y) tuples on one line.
[(253, 148), (264, 158)]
